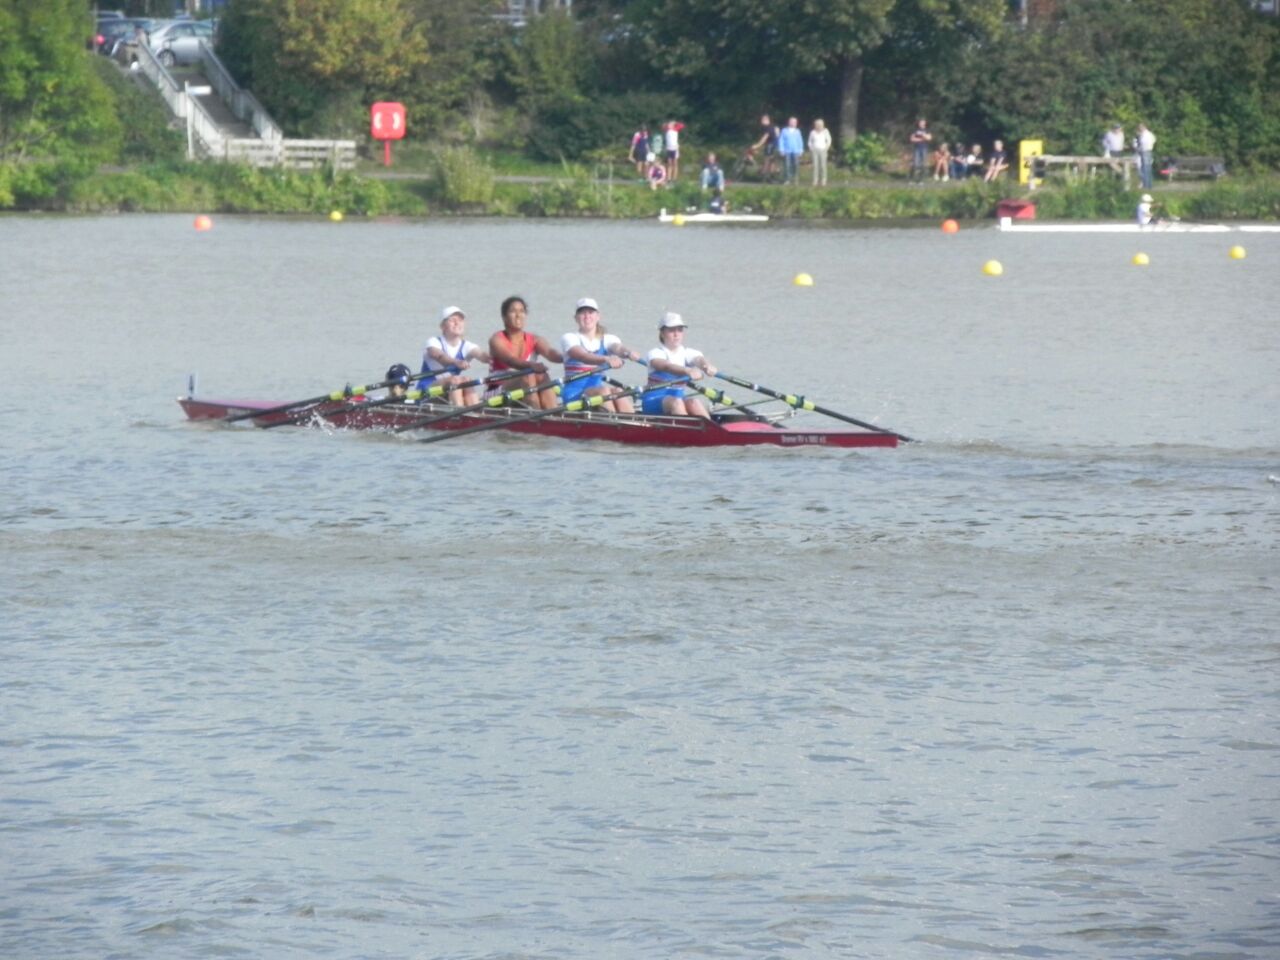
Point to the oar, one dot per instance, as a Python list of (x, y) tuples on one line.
[(714, 395), (800, 403), (410, 396), (574, 406), (497, 400)]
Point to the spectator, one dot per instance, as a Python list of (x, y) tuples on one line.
[(959, 163), (942, 162), (997, 163), (920, 139), (712, 175), (1144, 144), (671, 142), (768, 141), (791, 146), (640, 148), (973, 161), (819, 144), (1113, 141)]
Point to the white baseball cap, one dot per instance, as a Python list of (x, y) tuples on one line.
[(672, 320), (448, 312), (586, 303), (1146, 198)]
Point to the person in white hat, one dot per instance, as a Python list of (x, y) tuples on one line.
[(670, 361), (515, 348), (1144, 214), (588, 348), (448, 354)]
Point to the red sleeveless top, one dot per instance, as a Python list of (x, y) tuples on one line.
[(530, 344)]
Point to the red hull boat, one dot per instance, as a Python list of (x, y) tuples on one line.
[(728, 431)]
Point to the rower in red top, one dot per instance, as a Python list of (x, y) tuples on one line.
[(514, 348)]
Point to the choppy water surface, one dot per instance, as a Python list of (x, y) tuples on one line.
[(1011, 691)]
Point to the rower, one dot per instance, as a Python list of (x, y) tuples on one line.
[(448, 354), (592, 348), (398, 376), (673, 361), (514, 348)]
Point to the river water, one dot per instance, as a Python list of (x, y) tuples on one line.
[(1010, 691)]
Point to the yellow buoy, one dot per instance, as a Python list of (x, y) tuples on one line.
[(1237, 253), (678, 220), (803, 280), (993, 268), (1141, 260), (203, 223), (335, 216)]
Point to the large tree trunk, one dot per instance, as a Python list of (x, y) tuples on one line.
[(850, 90)]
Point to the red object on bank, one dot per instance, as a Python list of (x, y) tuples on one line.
[(1016, 210), (386, 123)]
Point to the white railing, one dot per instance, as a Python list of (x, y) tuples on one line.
[(207, 138), (243, 104), (296, 154)]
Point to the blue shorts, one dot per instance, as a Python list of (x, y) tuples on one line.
[(652, 402), (573, 391)]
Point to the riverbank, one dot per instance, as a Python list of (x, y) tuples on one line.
[(458, 185)]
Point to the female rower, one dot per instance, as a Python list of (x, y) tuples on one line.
[(448, 354), (514, 348), (670, 361), (592, 348)]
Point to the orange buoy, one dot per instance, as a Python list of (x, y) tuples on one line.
[(204, 223), (950, 226)]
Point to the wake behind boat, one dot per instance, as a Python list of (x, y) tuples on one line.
[(725, 430)]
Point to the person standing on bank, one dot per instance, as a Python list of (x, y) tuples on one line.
[(672, 360), (920, 140), (791, 146), (1144, 144), (514, 348), (819, 144)]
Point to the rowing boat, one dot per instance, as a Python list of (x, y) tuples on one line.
[(1010, 226), (706, 217), (727, 430)]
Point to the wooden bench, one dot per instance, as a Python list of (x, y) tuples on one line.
[(1211, 167)]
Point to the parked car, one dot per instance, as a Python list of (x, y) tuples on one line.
[(178, 43), (111, 31)]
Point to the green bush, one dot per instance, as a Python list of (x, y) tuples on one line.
[(868, 153), (461, 178)]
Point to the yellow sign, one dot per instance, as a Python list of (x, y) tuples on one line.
[(1026, 150)]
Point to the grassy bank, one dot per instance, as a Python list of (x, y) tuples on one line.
[(458, 183)]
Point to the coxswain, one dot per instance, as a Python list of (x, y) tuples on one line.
[(588, 348), (515, 348), (397, 378), (448, 354), (672, 360)]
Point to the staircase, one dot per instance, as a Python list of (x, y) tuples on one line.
[(227, 123)]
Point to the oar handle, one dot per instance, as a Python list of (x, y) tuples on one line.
[(497, 400), (436, 390), (574, 406)]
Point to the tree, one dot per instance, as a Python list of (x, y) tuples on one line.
[(314, 62), (54, 111), (758, 46)]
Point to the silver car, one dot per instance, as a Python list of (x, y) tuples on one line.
[(178, 43)]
